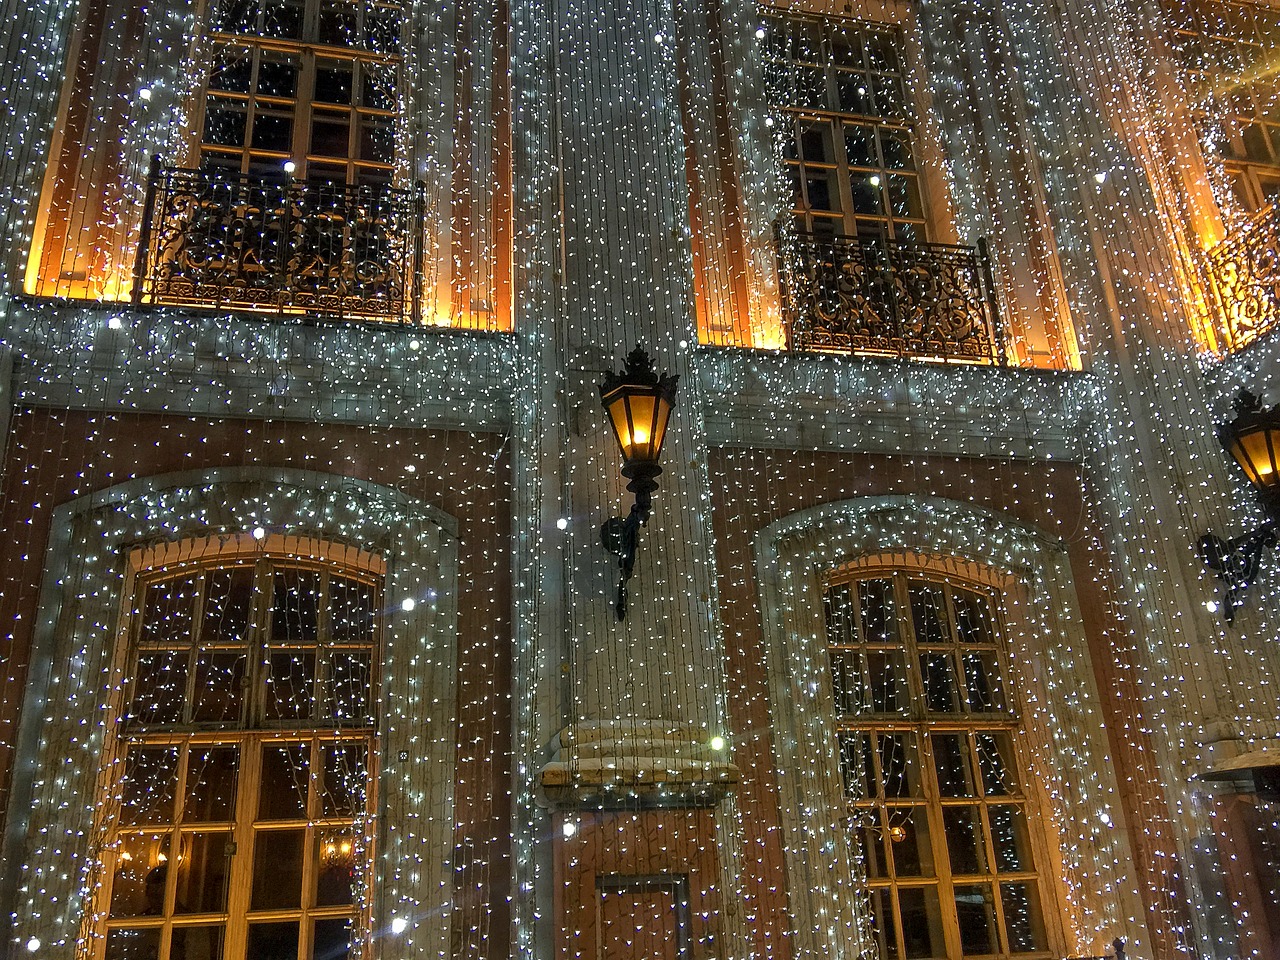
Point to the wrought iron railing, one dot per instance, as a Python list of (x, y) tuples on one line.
[(1245, 269), (889, 298), (213, 239)]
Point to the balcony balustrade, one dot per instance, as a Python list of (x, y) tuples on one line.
[(1245, 269), (885, 297), (213, 239)]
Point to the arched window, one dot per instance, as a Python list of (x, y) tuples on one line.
[(927, 732), (240, 807)]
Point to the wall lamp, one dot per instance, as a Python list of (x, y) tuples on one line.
[(639, 404), (1253, 439)]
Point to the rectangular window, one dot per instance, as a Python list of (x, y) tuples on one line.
[(846, 133), (310, 84)]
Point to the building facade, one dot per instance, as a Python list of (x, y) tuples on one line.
[(315, 647)]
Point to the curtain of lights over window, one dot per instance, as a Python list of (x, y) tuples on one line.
[(846, 135), (926, 727), (245, 759), (309, 84)]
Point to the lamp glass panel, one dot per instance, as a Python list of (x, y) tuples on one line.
[(662, 415), (1256, 455), (638, 443), (617, 407)]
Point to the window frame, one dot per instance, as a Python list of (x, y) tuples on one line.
[(253, 735), (896, 119), (872, 812)]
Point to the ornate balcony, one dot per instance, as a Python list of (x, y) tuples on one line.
[(1245, 268), (880, 297), (211, 239)]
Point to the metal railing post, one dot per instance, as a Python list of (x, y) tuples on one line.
[(144, 236), (988, 281)]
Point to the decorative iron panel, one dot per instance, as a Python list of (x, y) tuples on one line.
[(1246, 274), (889, 298), (212, 239)]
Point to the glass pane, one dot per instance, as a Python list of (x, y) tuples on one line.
[(273, 941), (996, 761), (218, 696), (872, 840), (382, 31), (201, 884), (856, 765), (351, 611), (228, 601), (860, 145), (211, 784), (350, 683), (285, 773), (330, 135), (141, 870), (1022, 919), (332, 939), (166, 612), (965, 843), (908, 833), (203, 942), (1009, 837), (982, 681), (888, 671), (335, 853), (277, 869), (224, 124), (927, 612), (147, 788), (951, 760), (921, 922), (334, 82), (338, 24), (899, 771), (278, 76), (975, 912), (838, 606), (822, 189), (815, 143), (295, 606), (904, 196), (882, 929), (272, 131), (159, 687), (282, 18), (846, 680), (879, 619), (941, 692), (290, 689), (973, 617), (346, 777), (133, 944), (896, 146)]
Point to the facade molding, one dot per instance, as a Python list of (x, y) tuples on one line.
[(76, 675), (1083, 845)]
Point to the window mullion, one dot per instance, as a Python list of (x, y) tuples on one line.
[(241, 866)]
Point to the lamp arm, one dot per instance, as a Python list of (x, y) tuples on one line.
[(1236, 561), (621, 537)]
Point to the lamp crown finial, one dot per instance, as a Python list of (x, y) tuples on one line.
[(1246, 401)]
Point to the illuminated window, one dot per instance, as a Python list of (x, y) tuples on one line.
[(927, 730), (242, 812), (846, 135), (313, 83), (1225, 49)]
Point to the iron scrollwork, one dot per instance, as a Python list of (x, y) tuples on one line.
[(1246, 274), (328, 249), (890, 298)]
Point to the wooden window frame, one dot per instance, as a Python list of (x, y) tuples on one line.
[(877, 814)]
